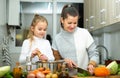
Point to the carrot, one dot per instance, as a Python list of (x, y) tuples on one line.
[(46, 71), (35, 71), (41, 69)]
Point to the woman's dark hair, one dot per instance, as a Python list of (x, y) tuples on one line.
[(69, 9)]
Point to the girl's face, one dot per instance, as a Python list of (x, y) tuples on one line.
[(69, 23), (40, 29)]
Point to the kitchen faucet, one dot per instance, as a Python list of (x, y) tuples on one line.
[(102, 46)]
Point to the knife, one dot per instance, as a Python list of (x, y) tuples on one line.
[(83, 71)]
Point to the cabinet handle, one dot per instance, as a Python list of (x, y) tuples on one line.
[(117, 4), (119, 9), (92, 22), (87, 23), (102, 16)]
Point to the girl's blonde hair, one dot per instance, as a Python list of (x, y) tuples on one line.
[(37, 18)]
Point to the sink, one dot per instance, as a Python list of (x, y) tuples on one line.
[(109, 61)]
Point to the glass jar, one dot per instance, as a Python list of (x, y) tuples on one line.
[(28, 63), (17, 71)]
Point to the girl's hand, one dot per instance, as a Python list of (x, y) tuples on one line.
[(34, 52), (91, 69), (43, 57), (70, 63)]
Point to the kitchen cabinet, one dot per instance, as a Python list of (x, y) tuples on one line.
[(90, 14), (86, 14), (101, 13), (114, 11), (13, 12), (3, 12), (97, 14)]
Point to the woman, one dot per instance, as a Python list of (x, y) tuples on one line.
[(75, 45)]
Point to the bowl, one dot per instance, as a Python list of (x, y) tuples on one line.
[(52, 65)]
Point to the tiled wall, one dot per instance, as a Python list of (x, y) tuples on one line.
[(111, 40), (2, 34), (115, 45), (13, 51)]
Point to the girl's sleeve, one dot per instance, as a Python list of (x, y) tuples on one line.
[(24, 52)]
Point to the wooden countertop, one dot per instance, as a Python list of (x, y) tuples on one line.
[(112, 76)]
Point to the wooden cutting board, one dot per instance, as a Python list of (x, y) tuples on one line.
[(115, 76)]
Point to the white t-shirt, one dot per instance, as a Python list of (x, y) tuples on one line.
[(42, 44)]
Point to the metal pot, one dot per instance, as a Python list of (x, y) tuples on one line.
[(52, 65)]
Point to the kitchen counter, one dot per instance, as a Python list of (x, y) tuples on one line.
[(114, 76)]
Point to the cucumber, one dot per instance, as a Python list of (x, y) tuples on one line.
[(4, 70)]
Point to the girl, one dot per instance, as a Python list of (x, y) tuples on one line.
[(36, 44)]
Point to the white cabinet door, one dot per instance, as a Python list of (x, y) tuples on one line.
[(103, 12), (92, 15), (86, 14), (14, 11), (114, 11), (97, 13), (2, 12)]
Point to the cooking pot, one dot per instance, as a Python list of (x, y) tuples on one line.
[(52, 65)]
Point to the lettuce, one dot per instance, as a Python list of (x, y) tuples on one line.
[(113, 67)]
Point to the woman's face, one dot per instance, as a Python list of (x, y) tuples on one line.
[(69, 23), (40, 29)]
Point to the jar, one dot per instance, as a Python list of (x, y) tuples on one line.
[(28, 63), (17, 71)]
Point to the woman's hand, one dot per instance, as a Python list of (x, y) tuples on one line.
[(91, 69), (70, 63)]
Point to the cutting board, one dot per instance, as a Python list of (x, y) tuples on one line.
[(115, 76)]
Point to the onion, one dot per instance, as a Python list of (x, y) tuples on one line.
[(31, 75), (40, 75)]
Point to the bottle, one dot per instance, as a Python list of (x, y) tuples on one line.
[(17, 71), (28, 63), (64, 72)]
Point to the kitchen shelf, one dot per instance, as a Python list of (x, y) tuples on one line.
[(107, 29)]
